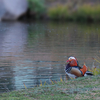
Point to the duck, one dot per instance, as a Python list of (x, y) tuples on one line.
[(73, 70)]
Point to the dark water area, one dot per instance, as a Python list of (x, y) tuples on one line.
[(31, 53)]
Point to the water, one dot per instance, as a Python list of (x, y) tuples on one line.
[(31, 53)]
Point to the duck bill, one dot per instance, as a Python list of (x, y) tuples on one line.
[(67, 61)]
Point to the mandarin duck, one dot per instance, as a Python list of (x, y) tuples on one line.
[(73, 69)]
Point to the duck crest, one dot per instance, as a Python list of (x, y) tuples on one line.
[(72, 61)]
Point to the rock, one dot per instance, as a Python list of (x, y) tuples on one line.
[(12, 9), (2, 9)]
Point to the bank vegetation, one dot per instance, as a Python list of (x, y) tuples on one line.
[(70, 10), (84, 88)]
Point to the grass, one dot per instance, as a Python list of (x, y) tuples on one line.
[(37, 8), (72, 10), (58, 12), (88, 12), (84, 12), (87, 88), (95, 71)]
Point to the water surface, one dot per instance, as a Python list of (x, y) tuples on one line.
[(31, 53)]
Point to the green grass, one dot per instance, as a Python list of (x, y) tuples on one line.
[(84, 12), (68, 11), (58, 12), (87, 12), (37, 8), (84, 88)]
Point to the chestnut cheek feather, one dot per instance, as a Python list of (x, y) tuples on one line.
[(73, 63)]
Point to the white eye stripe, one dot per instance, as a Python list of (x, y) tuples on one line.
[(72, 58)]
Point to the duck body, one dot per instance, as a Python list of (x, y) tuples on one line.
[(77, 74), (74, 70)]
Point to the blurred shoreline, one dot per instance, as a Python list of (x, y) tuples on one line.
[(67, 10), (56, 10)]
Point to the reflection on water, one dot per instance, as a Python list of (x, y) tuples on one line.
[(34, 52)]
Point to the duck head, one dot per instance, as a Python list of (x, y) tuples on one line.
[(72, 61)]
